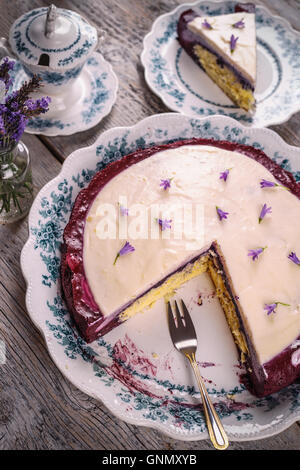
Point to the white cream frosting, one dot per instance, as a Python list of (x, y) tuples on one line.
[(244, 55), (195, 172)]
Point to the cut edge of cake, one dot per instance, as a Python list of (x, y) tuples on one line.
[(208, 48)]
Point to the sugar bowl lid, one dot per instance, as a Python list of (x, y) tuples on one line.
[(52, 37)]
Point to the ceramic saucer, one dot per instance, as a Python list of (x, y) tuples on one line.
[(88, 101)]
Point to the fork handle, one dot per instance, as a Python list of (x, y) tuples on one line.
[(215, 428)]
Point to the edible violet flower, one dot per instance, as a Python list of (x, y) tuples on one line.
[(221, 214), (206, 24), (267, 184), (124, 210), (233, 41), (265, 210), (239, 24), (164, 223), (166, 183), (127, 248), (293, 257), (270, 184), (255, 253), (270, 308), (224, 175)]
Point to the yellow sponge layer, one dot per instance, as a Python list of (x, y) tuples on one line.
[(229, 309), (167, 288), (225, 79)]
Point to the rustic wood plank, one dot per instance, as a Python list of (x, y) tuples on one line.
[(39, 408)]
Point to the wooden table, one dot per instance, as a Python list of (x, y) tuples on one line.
[(39, 408)]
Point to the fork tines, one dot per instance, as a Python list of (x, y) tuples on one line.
[(181, 319)]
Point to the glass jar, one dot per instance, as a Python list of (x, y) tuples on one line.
[(16, 189)]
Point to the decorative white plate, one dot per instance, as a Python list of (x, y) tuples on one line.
[(89, 100), (134, 370), (185, 88)]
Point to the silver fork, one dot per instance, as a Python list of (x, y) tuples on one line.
[(184, 338)]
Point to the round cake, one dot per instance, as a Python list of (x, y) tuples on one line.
[(160, 216)]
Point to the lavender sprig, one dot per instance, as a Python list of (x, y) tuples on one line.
[(256, 252), (127, 248), (265, 210), (233, 41), (34, 108), (16, 109), (221, 214), (293, 257), (6, 66), (270, 308)]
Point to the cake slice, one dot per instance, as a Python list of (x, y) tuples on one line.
[(224, 47)]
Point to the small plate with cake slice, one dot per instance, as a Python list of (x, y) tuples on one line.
[(224, 57), (206, 210)]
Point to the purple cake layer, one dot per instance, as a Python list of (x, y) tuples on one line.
[(91, 323), (246, 7), (188, 40)]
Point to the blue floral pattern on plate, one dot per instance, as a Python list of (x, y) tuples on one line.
[(185, 88), (99, 84), (102, 369)]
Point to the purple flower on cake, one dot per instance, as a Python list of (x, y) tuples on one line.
[(221, 214), (293, 257), (239, 24), (270, 184), (166, 183), (206, 25), (123, 210), (127, 248), (224, 174), (255, 253), (265, 210), (270, 308), (267, 184), (233, 41), (164, 223)]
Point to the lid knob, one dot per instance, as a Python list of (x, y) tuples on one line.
[(50, 21)]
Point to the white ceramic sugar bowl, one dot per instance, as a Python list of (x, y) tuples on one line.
[(53, 43)]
